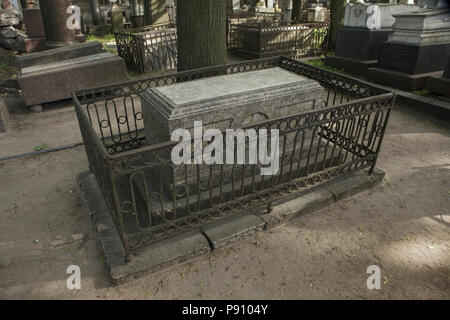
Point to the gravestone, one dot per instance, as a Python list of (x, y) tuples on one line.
[(55, 81), (417, 49), (224, 102), (365, 27), (440, 85)]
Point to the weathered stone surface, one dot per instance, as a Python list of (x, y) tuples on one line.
[(56, 81), (223, 232), (12, 39), (33, 22), (373, 17), (9, 18), (422, 27), (4, 115), (9, 32), (54, 55), (230, 101), (225, 102)]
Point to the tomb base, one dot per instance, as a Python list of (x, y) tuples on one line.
[(401, 80), (439, 85), (413, 59)]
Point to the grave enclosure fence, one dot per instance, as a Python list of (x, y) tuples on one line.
[(149, 204), (153, 49)]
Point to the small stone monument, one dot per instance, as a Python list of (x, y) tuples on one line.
[(365, 27), (418, 48)]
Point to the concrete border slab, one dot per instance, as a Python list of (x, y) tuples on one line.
[(190, 245)]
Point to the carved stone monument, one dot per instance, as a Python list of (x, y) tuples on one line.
[(365, 27), (418, 48)]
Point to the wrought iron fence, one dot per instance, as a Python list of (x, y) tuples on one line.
[(247, 18), (152, 199), (149, 49), (262, 39)]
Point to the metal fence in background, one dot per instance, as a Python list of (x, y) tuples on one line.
[(262, 39)]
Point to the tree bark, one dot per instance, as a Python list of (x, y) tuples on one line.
[(337, 12), (201, 33), (297, 7)]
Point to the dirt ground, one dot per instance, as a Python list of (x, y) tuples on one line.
[(401, 226)]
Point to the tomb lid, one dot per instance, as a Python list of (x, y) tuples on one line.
[(213, 93)]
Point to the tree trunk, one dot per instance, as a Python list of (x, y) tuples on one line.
[(337, 12), (95, 10), (201, 32), (297, 7)]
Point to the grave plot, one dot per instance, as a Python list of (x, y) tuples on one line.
[(262, 39), (152, 199)]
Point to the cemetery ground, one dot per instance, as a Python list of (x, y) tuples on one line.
[(401, 226)]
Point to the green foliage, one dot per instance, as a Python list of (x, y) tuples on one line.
[(321, 64)]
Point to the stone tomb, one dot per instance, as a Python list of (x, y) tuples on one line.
[(55, 81), (224, 102), (418, 48), (365, 27)]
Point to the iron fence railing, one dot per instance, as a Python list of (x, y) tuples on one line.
[(262, 40), (149, 49), (248, 18), (143, 187)]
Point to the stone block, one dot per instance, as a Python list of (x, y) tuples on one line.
[(56, 81), (225, 102), (401, 80), (35, 44), (223, 232), (422, 28), (9, 18), (55, 55), (33, 22), (360, 44), (4, 115), (413, 59)]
